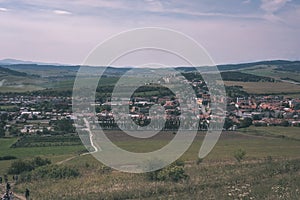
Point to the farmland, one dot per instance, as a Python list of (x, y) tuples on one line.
[(55, 153), (266, 87), (271, 72)]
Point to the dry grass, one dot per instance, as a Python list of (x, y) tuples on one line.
[(219, 176), (257, 180)]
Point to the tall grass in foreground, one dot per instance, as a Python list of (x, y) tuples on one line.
[(264, 179)]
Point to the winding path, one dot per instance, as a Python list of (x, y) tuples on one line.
[(88, 129), (96, 149)]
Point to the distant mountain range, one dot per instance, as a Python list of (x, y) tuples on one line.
[(10, 61), (39, 66), (20, 76)]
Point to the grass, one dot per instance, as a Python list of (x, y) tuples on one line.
[(274, 131), (218, 176), (263, 180), (55, 153), (270, 72), (20, 88), (7, 107), (266, 87), (37, 141)]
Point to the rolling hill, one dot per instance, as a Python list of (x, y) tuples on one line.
[(28, 76)]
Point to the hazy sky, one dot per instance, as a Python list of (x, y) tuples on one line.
[(231, 30)]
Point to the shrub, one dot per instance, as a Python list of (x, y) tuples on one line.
[(38, 161), (50, 172), (8, 158), (239, 155), (174, 172), (21, 166), (104, 169), (199, 161)]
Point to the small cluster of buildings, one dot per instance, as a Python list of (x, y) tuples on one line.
[(32, 114), (265, 110)]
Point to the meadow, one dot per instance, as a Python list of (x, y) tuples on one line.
[(272, 72), (270, 169), (266, 87)]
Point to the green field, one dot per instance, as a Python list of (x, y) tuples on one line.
[(274, 131), (270, 72), (271, 168), (266, 87), (55, 153), (20, 88)]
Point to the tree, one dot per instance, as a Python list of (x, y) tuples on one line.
[(245, 122), (228, 123), (4, 116), (25, 116), (285, 123), (14, 131), (64, 125), (2, 132)]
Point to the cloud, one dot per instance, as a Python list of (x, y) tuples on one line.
[(246, 1), (154, 5), (271, 6), (230, 32), (61, 12), (3, 9)]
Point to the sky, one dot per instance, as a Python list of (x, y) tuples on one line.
[(231, 31)]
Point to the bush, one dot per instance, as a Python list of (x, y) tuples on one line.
[(38, 161), (174, 172), (239, 155), (103, 169), (8, 158), (50, 172), (199, 161), (21, 166)]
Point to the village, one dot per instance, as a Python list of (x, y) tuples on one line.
[(42, 115)]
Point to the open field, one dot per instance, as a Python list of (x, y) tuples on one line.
[(7, 107), (274, 131), (270, 72), (256, 147), (20, 88), (54, 153), (270, 169), (266, 87)]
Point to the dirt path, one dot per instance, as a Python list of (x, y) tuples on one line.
[(96, 149), (88, 129), (66, 160), (16, 196)]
